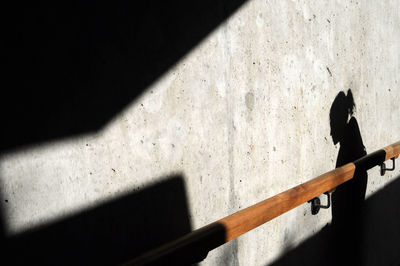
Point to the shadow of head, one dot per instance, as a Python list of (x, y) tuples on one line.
[(342, 108)]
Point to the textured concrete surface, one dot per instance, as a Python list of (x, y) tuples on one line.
[(242, 117)]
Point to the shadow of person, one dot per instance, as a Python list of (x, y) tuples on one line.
[(362, 232), (348, 198)]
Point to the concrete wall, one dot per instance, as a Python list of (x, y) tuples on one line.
[(243, 116)]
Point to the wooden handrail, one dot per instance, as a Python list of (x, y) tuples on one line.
[(392, 151), (264, 211), (197, 243)]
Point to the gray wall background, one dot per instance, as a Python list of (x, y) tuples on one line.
[(241, 117)]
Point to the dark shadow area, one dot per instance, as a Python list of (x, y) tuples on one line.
[(348, 199), (110, 234), (3, 246), (381, 234), (193, 247), (382, 226), (70, 66)]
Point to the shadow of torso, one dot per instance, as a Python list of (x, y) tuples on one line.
[(348, 200)]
